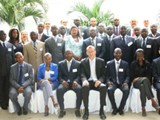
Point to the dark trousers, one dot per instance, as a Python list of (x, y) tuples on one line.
[(144, 86), (61, 91), (157, 86), (85, 93), (111, 90), (4, 90)]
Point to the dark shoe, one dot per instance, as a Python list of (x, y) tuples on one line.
[(46, 113), (102, 116), (85, 116), (19, 112), (158, 110), (62, 114), (4, 107), (144, 112), (115, 111), (25, 112), (78, 113), (121, 112)]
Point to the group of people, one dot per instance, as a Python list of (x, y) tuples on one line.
[(79, 59)]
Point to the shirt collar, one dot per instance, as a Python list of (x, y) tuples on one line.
[(117, 61), (92, 60), (21, 64), (69, 61)]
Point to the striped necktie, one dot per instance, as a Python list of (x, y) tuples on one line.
[(35, 48)]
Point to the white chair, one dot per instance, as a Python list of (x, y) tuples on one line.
[(32, 105), (118, 96), (135, 102)]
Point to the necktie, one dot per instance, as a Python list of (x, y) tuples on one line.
[(92, 42), (143, 43), (123, 40), (4, 45), (35, 48), (20, 76), (110, 38), (69, 65), (117, 70)]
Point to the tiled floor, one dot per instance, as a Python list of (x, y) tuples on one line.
[(4, 115)]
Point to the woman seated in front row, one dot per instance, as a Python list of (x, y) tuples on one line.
[(47, 80), (141, 76)]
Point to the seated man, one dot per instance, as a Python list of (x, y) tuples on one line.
[(21, 79), (117, 76), (69, 78), (92, 76)]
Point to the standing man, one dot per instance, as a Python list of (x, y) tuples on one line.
[(117, 76), (34, 52), (21, 77), (125, 43), (41, 36), (116, 26), (6, 60), (96, 42), (69, 77), (92, 76), (55, 45)]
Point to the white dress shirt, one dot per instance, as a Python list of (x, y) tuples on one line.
[(92, 64)]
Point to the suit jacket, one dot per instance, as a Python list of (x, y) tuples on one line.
[(114, 30), (127, 47), (86, 72), (57, 49), (44, 37), (107, 43), (31, 58), (7, 58), (100, 47), (69, 76), (53, 73), (149, 49), (156, 70), (28, 75), (123, 72)]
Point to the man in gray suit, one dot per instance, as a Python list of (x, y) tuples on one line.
[(55, 45), (21, 79)]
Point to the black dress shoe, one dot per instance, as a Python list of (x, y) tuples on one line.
[(61, 114), (115, 111), (19, 112), (102, 115), (85, 116), (4, 107), (25, 112), (121, 112), (77, 113)]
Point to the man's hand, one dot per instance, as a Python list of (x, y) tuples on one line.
[(85, 83), (124, 85), (109, 84), (74, 85), (65, 84), (20, 89), (97, 83), (135, 79)]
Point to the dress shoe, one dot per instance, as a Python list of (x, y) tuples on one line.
[(78, 113), (115, 111), (25, 112), (61, 114), (121, 112), (46, 113), (85, 116), (4, 107), (144, 112), (19, 112), (102, 116), (158, 110)]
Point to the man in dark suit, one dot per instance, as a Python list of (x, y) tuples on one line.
[(146, 43), (156, 76), (116, 26), (41, 36), (69, 77), (21, 79), (125, 43), (92, 77), (93, 24), (95, 41), (107, 41), (117, 76), (55, 45), (6, 60)]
